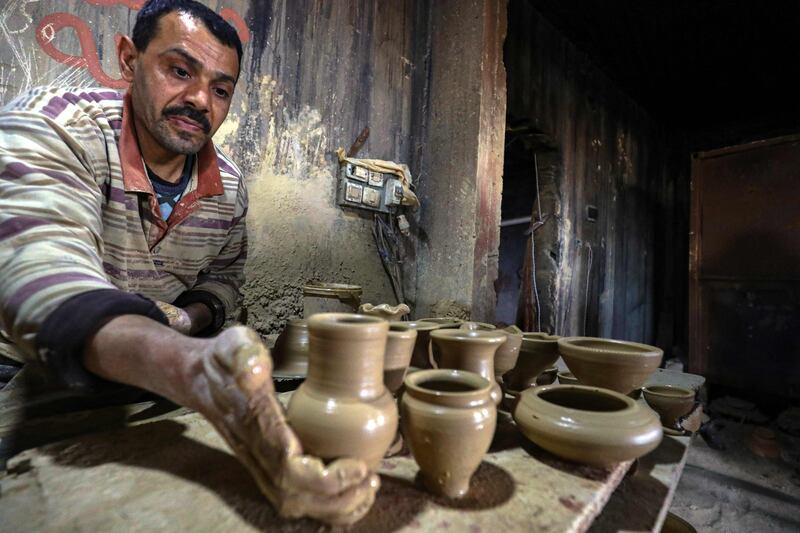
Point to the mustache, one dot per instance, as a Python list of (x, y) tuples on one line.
[(191, 113)]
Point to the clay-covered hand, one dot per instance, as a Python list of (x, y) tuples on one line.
[(178, 318), (246, 412)]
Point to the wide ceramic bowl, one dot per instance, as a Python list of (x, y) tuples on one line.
[(622, 366), (587, 424), (669, 402)]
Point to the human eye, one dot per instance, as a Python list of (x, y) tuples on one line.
[(222, 93), (180, 72)]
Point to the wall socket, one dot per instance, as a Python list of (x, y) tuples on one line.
[(362, 188)]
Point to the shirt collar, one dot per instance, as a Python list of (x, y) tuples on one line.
[(134, 177)]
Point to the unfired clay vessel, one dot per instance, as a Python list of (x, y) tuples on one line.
[(547, 377), (587, 424), (485, 326), (507, 354), (471, 350), (343, 409), (537, 352), (385, 311), (291, 350), (399, 347), (669, 402), (448, 420), (621, 366), (421, 357)]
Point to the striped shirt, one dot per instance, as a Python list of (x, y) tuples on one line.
[(79, 214)]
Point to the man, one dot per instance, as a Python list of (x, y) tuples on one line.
[(111, 205)]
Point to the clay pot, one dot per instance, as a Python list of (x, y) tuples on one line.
[(537, 352), (421, 356), (675, 524), (507, 354), (587, 424), (291, 350), (343, 409), (567, 378), (669, 402), (385, 311), (621, 366), (483, 326), (399, 347), (471, 350), (448, 422)]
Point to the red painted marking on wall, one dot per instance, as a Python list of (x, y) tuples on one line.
[(237, 21), (46, 31)]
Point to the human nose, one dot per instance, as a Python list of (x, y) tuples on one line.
[(198, 96)]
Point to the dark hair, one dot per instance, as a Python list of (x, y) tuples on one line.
[(147, 23)]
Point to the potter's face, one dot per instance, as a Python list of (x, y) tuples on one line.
[(182, 84)]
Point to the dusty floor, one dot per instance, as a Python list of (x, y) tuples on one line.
[(734, 490)]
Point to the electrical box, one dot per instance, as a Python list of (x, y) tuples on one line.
[(362, 188)]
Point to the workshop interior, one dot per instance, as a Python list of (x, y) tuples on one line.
[(533, 265)]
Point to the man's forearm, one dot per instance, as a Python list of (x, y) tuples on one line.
[(138, 351)]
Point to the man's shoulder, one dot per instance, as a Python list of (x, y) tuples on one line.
[(65, 103), (227, 167)]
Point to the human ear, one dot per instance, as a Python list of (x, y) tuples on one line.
[(127, 54)]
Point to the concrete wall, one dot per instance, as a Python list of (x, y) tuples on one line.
[(314, 74), (623, 276)]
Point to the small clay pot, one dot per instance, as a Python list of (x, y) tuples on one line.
[(669, 402), (448, 422), (567, 378), (421, 356), (290, 354), (537, 352), (385, 311), (587, 424), (621, 366), (471, 350), (343, 408), (477, 325), (399, 347), (507, 354)]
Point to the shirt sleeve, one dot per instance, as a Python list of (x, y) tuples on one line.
[(223, 278), (51, 235)]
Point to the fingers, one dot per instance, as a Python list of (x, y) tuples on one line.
[(340, 509), (308, 473)]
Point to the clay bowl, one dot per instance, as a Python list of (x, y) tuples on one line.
[(400, 343), (537, 352), (567, 378), (448, 420), (548, 377), (508, 353), (621, 366), (484, 326), (290, 354), (669, 402), (587, 424)]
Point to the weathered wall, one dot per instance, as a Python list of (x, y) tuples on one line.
[(460, 162), (625, 274), (313, 75)]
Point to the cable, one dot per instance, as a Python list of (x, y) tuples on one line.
[(588, 275), (534, 226), (388, 245)]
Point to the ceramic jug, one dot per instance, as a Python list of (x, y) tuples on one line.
[(472, 350), (448, 421), (343, 408), (399, 347)]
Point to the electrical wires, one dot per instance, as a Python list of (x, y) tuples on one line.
[(387, 240)]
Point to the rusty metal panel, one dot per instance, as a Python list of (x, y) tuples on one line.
[(745, 266)]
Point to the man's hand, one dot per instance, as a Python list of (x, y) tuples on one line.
[(189, 320), (240, 402)]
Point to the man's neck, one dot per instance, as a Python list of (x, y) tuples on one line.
[(166, 164)]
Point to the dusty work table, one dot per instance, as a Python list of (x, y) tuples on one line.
[(178, 474)]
